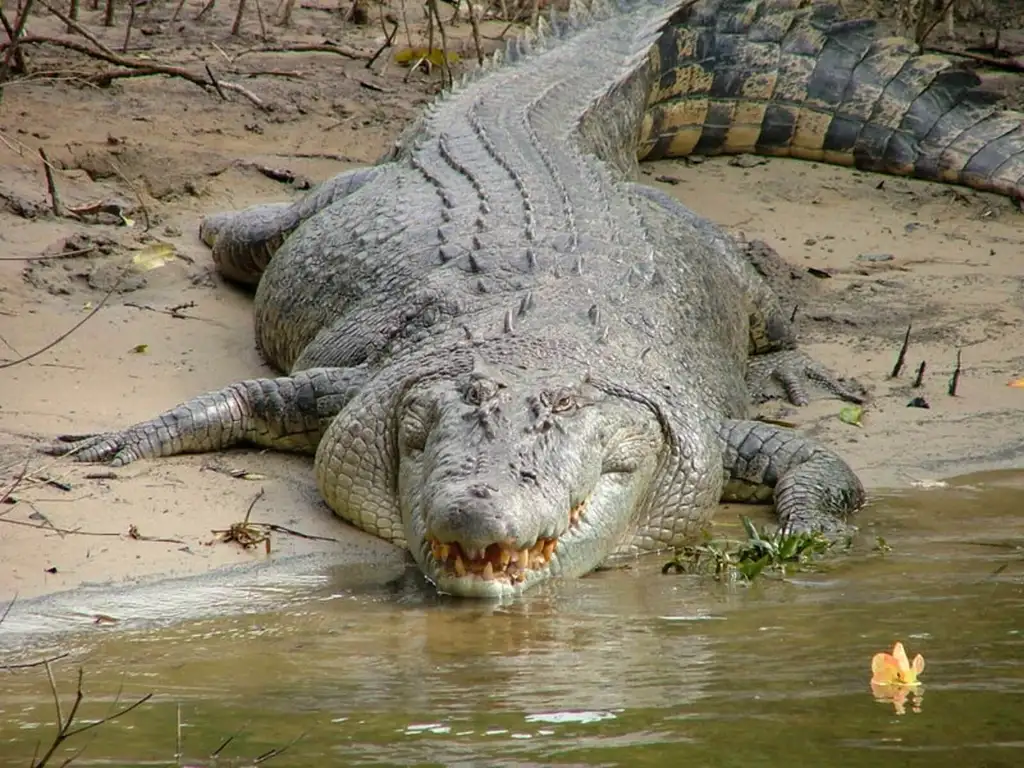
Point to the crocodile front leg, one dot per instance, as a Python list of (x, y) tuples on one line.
[(813, 489), (290, 413), (243, 242)]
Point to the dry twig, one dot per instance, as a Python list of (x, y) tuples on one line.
[(72, 329), (128, 28), (51, 185), (340, 50), (389, 38), (237, 26), (66, 726), (1015, 64), (135, 68), (133, 532), (15, 35), (475, 25), (446, 70), (83, 31)]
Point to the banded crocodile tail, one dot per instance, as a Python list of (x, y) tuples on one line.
[(792, 78)]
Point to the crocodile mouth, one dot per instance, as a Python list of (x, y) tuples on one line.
[(500, 561)]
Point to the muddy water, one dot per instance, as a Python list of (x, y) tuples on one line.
[(627, 667)]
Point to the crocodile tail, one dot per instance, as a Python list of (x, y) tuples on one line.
[(793, 78)]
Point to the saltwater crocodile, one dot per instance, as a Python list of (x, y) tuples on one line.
[(512, 359)]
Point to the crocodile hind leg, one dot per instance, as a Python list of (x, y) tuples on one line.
[(775, 366), (290, 413), (774, 362), (243, 242), (813, 488)]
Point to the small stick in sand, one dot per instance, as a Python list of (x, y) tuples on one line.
[(954, 381), (902, 357), (919, 378), (51, 184)]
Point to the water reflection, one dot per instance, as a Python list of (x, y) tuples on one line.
[(627, 667), (898, 696)]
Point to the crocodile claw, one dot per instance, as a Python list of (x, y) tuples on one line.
[(117, 448), (791, 374)]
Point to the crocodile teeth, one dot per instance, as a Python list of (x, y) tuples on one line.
[(496, 561), (577, 512)]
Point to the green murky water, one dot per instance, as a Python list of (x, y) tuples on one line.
[(626, 668)]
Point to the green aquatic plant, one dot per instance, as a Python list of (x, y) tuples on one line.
[(770, 550)]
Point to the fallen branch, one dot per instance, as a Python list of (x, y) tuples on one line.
[(135, 68), (1015, 64), (340, 50)]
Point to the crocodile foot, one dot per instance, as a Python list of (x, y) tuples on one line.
[(791, 374), (117, 448)]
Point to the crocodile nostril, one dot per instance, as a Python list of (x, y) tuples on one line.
[(480, 492)]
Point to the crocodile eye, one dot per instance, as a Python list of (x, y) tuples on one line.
[(559, 401), (480, 391), (565, 402)]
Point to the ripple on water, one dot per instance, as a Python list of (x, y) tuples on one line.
[(627, 667)]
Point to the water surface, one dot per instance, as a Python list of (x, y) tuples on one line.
[(627, 667)]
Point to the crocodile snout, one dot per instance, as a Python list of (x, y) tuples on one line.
[(476, 518)]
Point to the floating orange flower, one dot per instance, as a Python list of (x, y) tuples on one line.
[(895, 668)]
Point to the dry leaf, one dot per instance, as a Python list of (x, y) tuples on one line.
[(410, 56), (154, 256), (851, 415)]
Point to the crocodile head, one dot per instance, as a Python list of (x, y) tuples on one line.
[(508, 478)]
